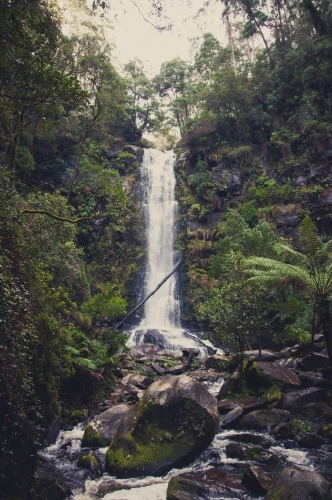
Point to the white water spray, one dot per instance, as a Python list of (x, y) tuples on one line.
[(158, 181)]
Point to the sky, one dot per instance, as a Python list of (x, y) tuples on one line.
[(128, 27), (135, 37)]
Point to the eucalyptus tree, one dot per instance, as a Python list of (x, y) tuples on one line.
[(143, 108), (310, 269)]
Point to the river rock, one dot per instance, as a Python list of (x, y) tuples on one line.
[(177, 369), (297, 399), (175, 420), (314, 361), (257, 439), (231, 418), (230, 385), (248, 405), (310, 440), (217, 362), (255, 479), (147, 350), (292, 484), (268, 374), (101, 430), (242, 451), (136, 380), (266, 355), (203, 485), (157, 368), (89, 460), (261, 420)]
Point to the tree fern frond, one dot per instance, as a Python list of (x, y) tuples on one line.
[(310, 242), (278, 270), (84, 363), (288, 253), (72, 350), (327, 247)]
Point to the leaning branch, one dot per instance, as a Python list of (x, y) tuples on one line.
[(150, 294), (57, 217)]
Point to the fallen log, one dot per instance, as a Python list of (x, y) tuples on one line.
[(150, 294)]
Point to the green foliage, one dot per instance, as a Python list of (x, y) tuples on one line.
[(201, 181)]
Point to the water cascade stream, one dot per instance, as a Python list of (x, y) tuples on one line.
[(160, 325)]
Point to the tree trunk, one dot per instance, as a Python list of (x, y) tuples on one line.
[(324, 314)]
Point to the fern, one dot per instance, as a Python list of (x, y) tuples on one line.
[(310, 242)]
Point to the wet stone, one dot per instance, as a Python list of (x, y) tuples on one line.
[(231, 418), (255, 479)]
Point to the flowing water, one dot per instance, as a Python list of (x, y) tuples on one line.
[(160, 325)]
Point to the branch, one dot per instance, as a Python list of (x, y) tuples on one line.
[(57, 217), (159, 28)]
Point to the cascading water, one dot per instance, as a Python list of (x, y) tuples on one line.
[(160, 324), (159, 205)]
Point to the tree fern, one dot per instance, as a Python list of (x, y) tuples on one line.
[(310, 242)]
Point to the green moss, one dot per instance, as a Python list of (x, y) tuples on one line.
[(301, 426), (78, 415), (254, 454), (273, 396), (186, 486), (327, 430), (93, 437)]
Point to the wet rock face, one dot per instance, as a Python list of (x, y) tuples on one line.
[(268, 374), (101, 430), (175, 420), (292, 484), (205, 485)]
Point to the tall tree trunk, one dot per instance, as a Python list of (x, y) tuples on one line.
[(230, 39), (324, 314)]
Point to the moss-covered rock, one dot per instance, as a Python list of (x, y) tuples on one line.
[(182, 487), (326, 431), (273, 396), (90, 461), (101, 430), (175, 420), (79, 415)]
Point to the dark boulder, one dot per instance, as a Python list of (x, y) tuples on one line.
[(204, 485), (256, 439), (175, 420), (231, 418), (314, 361), (261, 420), (292, 484), (297, 399), (255, 479)]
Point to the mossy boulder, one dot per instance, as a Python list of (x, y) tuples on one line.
[(175, 420), (101, 430), (183, 488), (89, 460), (292, 484), (78, 415)]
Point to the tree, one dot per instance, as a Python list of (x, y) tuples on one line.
[(143, 108), (311, 269)]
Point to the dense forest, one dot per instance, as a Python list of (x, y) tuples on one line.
[(252, 129)]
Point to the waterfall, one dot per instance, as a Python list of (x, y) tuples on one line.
[(160, 324), (159, 206)]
